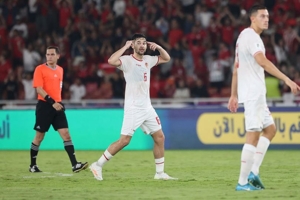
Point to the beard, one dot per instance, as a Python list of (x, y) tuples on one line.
[(140, 52)]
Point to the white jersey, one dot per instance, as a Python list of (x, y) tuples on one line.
[(137, 77), (250, 75)]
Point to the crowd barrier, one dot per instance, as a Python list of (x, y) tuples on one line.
[(184, 128)]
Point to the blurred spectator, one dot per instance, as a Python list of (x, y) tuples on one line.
[(203, 15), (65, 11), (199, 89), (280, 52), (5, 68), (119, 7), (32, 10), (3, 34), (20, 26), (216, 73), (77, 91), (29, 91), (182, 91), (118, 85), (175, 33), (31, 58), (163, 25), (16, 45), (169, 88), (178, 70), (11, 87)]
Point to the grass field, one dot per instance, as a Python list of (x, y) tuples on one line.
[(129, 175)]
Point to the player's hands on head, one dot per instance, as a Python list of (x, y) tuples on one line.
[(153, 46), (294, 87), (233, 104), (128, 44), (58, 106)]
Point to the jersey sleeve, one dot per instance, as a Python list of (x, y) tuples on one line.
[(153, 61), (38, 78), (124, 63), (255, 45)]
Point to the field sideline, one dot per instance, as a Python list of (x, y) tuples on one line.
[(129, 175)]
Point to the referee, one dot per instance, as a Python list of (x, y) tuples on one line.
[(47, 81)]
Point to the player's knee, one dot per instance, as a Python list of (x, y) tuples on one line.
[(159, 137), (124, 141)]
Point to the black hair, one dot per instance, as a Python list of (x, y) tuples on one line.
[(138, 35), (255, 8), (54, 47)]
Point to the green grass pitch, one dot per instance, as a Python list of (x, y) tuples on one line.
[(205, 174)]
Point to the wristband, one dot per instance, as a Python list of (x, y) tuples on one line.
[(49, 99)]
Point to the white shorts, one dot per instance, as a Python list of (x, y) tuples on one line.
[(148, 120), (257, 115)]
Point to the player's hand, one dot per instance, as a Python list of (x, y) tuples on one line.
[(153, 46), (294, 87), (58, 106), (128, 44), (233, 104)]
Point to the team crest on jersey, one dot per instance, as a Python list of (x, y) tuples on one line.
[(146, 64)]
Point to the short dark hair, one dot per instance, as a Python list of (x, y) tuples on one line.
[(138, 35), (54, 47), (255, 8)]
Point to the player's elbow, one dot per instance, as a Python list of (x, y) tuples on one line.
[(110, 61), (168, 58), (165, 59)]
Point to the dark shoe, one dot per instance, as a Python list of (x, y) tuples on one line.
[(80, 166), (34, 169), (255, 180)]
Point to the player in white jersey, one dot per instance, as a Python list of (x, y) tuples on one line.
[(248, 87), (138, 111)]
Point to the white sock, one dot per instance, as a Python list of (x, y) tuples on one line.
[(160, 164), (246, 163), (261, 150), (106, 156)]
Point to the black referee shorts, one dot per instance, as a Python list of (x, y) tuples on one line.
[(46, 115)]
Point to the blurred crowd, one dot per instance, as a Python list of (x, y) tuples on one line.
[(200, 36)]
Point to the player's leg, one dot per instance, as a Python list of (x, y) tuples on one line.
[(131, 121), (152, 126), (60, 124), (43, 119), (108, 154), (262, 147), (269, 131), (254, 113)]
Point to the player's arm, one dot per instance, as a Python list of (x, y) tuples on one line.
[(234, 80), (233, 100), (271, 69), (164, 57), (114, 59)]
